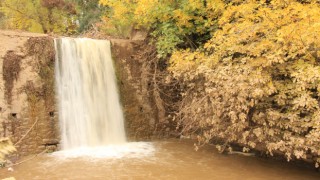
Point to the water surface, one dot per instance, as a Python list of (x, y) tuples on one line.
[(172, 159)]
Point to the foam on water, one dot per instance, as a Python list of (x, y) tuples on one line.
[(128, 150)]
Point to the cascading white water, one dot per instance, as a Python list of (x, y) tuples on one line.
[(90, 114)]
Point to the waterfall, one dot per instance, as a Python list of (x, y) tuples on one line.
[(90, 113)]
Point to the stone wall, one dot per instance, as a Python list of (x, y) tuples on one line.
[(26, 115)]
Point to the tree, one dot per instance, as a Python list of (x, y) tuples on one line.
[(89, 13), (45, 16), (174, 24)]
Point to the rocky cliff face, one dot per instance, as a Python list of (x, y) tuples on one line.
[(134, 85), (27, 97)]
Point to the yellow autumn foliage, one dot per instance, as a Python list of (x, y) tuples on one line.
[(172, 23), (38, 15)]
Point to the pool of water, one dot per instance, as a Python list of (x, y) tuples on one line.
[(172, 159)]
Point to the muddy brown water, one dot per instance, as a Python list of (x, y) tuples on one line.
[(171, 160)]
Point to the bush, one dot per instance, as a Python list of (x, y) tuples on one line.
[(257, 80)]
